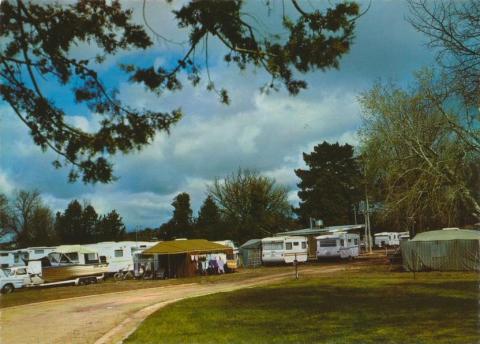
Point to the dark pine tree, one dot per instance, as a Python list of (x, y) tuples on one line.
[(181, 224), (209, 224), (330, 186), (89, 224), (68, 225), (110, 227)]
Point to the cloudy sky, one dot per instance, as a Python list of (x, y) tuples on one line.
[(267, 133)]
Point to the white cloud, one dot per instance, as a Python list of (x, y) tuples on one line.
[(7, 186)]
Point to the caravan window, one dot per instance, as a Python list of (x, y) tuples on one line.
[(304, 244), (91, 258), (73, 256), (3, 254), (328, 242), (276, 245), (118, 253), (342, 242), (295, 243), (21, 271), (288, 245), (38, 251), (355, 241), (349, 241)]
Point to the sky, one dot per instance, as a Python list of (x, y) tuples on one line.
[(266, 133)]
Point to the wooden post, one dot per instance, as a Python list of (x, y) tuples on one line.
[(295, 263)]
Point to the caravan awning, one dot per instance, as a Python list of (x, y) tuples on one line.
[(194, 246)]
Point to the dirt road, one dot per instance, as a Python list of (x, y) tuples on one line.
[(109, 318)]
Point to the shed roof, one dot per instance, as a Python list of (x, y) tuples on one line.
[(448, 234), (199, 246), (252, 243)]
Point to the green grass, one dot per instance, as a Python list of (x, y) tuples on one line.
[(32, 295), (347, 307)]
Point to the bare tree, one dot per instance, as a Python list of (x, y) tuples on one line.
[(6, 218), (26, 218), (453, 28), (423, 167)]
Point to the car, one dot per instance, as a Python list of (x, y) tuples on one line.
[(9, 282)]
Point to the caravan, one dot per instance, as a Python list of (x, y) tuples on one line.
[(387, 239), (120, 255), (343, 245), (21, 256), (284, 249)]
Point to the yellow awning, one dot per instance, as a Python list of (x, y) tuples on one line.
[(194, 246)]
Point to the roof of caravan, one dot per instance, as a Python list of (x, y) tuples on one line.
[(335, 235), (448, 234), (314, 231), (283, 237), (252, 243), (73, 248), (199, 246), (383, 233)]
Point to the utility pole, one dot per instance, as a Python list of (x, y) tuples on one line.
[(367, 224), (355, 213), (367, 215)]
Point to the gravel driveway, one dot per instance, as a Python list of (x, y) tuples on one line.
[(109, 318)]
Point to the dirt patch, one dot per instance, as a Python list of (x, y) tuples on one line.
[(109, 318)]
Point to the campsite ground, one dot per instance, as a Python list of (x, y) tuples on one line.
[(369, 305), (334, 302)]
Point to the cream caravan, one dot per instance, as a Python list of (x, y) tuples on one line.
[(343, 245), (284, 249), (120, 255), (387, 239)]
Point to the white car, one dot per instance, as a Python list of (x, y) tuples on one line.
[(9, 282)]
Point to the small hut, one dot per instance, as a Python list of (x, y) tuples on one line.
[(180, 258), (450, 249), (251, 253)]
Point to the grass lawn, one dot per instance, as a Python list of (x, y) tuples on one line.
[(347, 307), (31, 295)]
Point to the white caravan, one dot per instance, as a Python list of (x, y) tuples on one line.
[(6, 259), (21, 256), (119, 255), (284, 249), (387, 239), (343, 245)]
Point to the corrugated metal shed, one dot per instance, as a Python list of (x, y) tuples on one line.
[(194, 246)]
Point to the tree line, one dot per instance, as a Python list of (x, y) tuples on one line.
[(25, 220)]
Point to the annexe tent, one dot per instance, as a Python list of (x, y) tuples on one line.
[(442, 250), (176, 257), (251, 253)]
